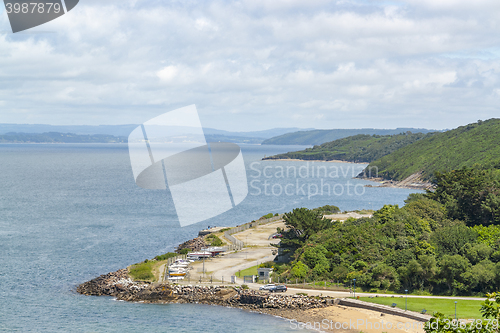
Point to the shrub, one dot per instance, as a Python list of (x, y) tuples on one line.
[(214, 240), (165, 256), (299, 270)]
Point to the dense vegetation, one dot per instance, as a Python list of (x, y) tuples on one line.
[(327, 210), (359, 148), (318, 137), (446, 242), (55, 137), (467, 146)]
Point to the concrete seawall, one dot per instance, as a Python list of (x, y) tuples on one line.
[(384, 309)]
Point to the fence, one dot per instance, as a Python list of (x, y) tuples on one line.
[(237, 244), (170, 261)]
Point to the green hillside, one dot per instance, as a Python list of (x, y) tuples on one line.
[(358, 148), (466, 146), (317, 137)]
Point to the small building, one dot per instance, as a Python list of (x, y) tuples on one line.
[(264, 273), (215, 251)]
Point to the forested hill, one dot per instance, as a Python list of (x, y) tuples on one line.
[(473, 145), (55, 137), (359, 148), (317, 137)]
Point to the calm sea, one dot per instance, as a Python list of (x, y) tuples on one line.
[(70, 212)]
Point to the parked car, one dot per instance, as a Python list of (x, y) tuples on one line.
[(281, 288), (267, 286), (277, 236)]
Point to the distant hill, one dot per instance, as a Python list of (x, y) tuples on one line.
[(211, 134), (476, 144), (116, 130), (266, 134), (233, 139), (360, 148), (55, 137), (317, 137)]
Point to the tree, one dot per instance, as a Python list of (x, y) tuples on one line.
[(480, 276), (414, 273), (314, 256), (300, 270), (451, 240), (429, 268), (452, 267), (384, 276), (470, 195), (476, 253), (386, 213), (419, 205), (305, 222)]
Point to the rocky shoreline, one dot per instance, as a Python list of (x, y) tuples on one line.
[(308, 310), (119, 285), (409, 184)]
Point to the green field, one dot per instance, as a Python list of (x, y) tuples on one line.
[(248, 271), (466, 309)]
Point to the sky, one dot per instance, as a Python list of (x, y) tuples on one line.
[(257, 64)]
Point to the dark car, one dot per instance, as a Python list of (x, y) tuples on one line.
[(275, 289)]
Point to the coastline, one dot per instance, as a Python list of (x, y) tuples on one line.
[(299, 160), (408, 183), (322, 313), (412, 182)]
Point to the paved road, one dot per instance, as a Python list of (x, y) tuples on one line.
[(344, 294)]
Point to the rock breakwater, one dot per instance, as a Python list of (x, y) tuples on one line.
[(118, 284), (195, 244)]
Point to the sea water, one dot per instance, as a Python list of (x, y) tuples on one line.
[(71, 212)]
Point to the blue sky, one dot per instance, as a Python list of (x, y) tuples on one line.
[(257, 64)]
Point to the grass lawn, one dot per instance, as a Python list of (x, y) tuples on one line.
[(149, 271), (248, 271), (466, 309)]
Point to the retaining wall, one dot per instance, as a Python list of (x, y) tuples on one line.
[(239, 244), (384, 309)]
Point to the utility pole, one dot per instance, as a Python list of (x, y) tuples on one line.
[(406, 301)]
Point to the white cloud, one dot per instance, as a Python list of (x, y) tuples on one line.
[(257, 64)]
